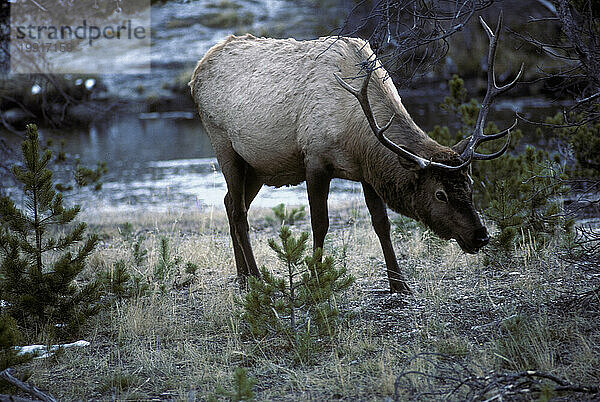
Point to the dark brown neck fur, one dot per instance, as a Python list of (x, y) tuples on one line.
[(396, 179)]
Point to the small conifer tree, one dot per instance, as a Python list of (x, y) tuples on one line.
[(9, 338), (39, 264), (165, 265), (285, 216), (138, 252), (581, 135), (321, 282), (242, 387), (301, 303), (118, 280)]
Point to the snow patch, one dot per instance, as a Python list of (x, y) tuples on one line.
[(42, 351)]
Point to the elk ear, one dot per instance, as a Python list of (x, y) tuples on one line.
[(460, 146), (408, 164)]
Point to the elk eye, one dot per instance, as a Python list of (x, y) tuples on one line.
[(440, 195)]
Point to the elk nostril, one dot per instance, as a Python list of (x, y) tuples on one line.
[(481, 236), (484, 241)]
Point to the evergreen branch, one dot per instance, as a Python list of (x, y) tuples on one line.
[(48, 220), (87, 248), (75, 236), (14, 219)]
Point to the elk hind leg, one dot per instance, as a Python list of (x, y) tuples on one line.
[(236, 172), (381, 224)]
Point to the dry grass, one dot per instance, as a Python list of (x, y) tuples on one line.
[(183, 343)]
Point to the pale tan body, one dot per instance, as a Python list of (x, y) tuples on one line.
[(300, 112), (275, 115)]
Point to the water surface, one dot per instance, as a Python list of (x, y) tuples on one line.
[(165, 161)]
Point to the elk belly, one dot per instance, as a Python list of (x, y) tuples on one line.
[(275, 163)]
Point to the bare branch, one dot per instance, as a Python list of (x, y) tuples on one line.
[(449, 378), (30, 389), (410, 36)]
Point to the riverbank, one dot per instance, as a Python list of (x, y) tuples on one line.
[(184, 338)]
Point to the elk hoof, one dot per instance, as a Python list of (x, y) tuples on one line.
[(242, 282), (400, 287)]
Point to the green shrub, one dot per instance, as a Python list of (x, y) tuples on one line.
[(85, 176), (126, 230), (583, 141), (165, 266), (242, 388), (528, 203), (285, 216), (9, 338), (139, 253), (122, 284), (191, 268), (520, 193)]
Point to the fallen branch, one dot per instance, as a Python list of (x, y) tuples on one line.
[(445, 377), (30, 389)]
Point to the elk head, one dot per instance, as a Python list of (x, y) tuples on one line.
[(443, 190)]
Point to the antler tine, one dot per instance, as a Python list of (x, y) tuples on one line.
[(486, 27), (347, 86), (363, 100), (493, 90), (487, 157)]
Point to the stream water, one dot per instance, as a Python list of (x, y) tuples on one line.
[(165, 161)]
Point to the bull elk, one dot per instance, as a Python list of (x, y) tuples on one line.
[(278, 113)]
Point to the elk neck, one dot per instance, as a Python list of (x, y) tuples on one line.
[(396, 179)]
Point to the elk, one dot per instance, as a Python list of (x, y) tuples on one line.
[(278, 112)]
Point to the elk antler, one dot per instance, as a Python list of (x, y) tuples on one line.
[(493, 90), (363, 100)]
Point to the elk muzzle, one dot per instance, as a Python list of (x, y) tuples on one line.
[(478, 239), (481, 237)]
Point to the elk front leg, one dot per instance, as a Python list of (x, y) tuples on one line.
[(317, 185), (381, 224)]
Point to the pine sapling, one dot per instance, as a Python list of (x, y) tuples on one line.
[(242, 387), (138, 252), (285, 216), (9, 338), (301, 304), (165, 264), (39, 269), (118, 280), (291, 252), (321, 282)]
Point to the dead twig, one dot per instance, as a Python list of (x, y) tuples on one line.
[(30, 389)]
